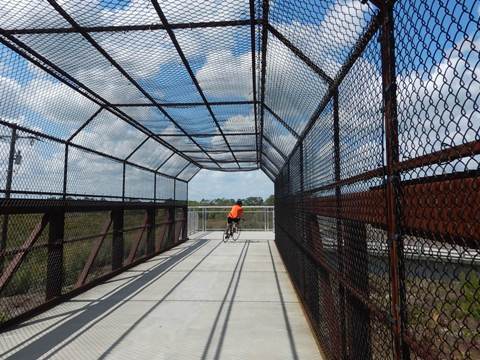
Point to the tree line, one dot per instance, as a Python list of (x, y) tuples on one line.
[(249, 201)]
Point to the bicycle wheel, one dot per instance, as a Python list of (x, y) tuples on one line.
[(236, 233), (225, 235)]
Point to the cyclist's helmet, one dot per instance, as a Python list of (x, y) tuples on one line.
[(239, 202)]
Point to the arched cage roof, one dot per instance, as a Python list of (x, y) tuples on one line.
[(170, 87)]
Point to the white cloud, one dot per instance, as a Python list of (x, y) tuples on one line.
[(251, 183), (439, 108), (225, 75)]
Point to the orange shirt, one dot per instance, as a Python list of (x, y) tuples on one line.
[(236, 212)]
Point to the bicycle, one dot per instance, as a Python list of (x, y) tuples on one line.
[(233, 232)]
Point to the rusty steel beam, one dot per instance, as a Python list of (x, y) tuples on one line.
[(136, 243), (137, 27), (451, 219), (161, 236), (393, 212), (254, 73), (301, 55), (211, 135), (187, 66), (357, 50), (82, 278), (263, 71), (453, 153), (188, 104), (17, 260)]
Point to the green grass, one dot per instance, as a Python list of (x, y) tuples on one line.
[(29, 279)]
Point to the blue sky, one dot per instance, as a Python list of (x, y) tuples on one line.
[(209, 184), (429, 115)]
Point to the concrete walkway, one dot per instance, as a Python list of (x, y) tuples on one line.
[(202, 300)]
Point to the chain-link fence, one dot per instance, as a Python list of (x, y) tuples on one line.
[(214, 218), (54, 252), (377, 205), (364, 113)]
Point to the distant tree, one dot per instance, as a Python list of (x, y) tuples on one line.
[(270, 200), (253, 201)]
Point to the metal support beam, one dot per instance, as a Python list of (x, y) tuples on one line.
[(265, 10), (54, 280), (128, 28), (188, 104), (358, 49), (397, 276), (338, 220), (7, 273), (284, 157), (96, 246), (186, 64), (281, 121), (211, 135), (182, 170), (323, 75), (151, 229), (46, 65), (92, 42), (254, 73), (136, 148), (95, 114), (117, 239)]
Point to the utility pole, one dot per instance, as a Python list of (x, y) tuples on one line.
[(8, 188), (14, 157)]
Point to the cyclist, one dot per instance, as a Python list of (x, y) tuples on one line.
[(234, 216)]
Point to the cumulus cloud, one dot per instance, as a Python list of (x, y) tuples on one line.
[(252, 183), (437, 108), (225, 75)]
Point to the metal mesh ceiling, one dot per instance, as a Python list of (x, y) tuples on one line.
[(174, 87)]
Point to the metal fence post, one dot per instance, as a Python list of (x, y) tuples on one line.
[(265, 218), (387, 44), (172, 220), (151, 227), (204, 215), (65, 172), (123, 181), (8, 188), (117, 239), (55, 254), (338, 221), (185, 224), (356, 273)]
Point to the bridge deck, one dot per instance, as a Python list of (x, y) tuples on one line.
[(202, 300)]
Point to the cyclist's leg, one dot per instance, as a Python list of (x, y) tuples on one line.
[(228, 230)]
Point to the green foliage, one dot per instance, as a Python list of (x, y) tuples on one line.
[(270, 200), (249, 201), (469, 301), (3, 317)]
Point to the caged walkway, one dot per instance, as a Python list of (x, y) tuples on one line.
[(365, 115), (203, 299)]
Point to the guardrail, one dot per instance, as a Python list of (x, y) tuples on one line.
[(213, 218)]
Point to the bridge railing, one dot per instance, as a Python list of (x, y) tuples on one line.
[(213, 218), (56, 249)]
